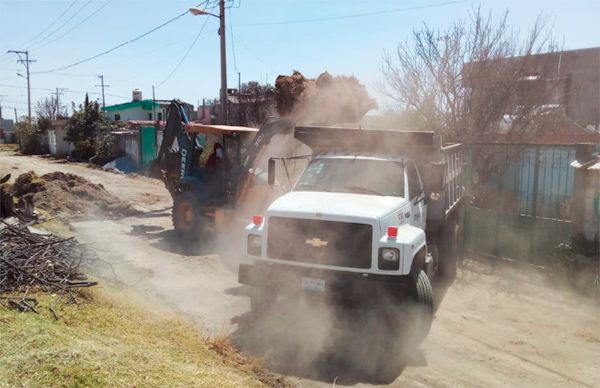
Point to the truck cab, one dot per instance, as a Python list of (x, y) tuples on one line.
[(357, 221)]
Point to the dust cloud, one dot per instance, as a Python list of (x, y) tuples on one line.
[(325, 100)]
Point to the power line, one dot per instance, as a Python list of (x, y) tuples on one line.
[(186, 53), (235, 68), (357, 15), (78, 24), (117, 46), (257, 57), (65, 23), (53, 22)]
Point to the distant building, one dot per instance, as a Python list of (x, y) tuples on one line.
[(57, 145), (7, 130), (141, 110), (565, 82)]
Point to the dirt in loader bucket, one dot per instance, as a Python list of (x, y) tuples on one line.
[(326, 100), (69, 196)]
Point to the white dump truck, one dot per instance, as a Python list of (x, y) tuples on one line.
[(373, 212)]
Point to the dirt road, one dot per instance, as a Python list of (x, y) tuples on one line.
[(494, 326)]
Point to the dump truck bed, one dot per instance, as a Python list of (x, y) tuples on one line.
[(441, 167)]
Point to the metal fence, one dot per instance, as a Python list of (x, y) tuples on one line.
[(521, 198)]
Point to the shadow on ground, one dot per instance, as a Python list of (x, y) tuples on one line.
[(348, 344)]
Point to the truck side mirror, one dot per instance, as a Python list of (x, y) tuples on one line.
[(271, 172)]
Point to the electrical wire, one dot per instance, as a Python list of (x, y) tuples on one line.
[(257, 57), (115, 47), (78, 24), (329, 18), (235, 68), (186, 53), (45, 38), (51, 24)]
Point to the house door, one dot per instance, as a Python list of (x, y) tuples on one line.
[(147, 145)]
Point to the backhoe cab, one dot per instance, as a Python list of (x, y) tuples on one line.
[(203, 190)]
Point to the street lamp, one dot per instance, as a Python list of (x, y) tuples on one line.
[(198, 11)]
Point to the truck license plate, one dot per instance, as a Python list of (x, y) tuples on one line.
[(313, 285)]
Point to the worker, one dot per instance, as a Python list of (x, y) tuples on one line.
[(214, 178), (216, 158)]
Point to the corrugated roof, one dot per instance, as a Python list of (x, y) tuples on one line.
[(145, 104)]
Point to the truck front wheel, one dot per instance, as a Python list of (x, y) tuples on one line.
[(420, 311), (260, 300)]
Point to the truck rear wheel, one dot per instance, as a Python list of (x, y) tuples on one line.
[(451, 252), (187, 215)]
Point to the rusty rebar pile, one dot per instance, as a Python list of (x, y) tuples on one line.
[(39, 262)]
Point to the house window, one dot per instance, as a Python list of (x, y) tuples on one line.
[(117, 117), (150, 116), (159, 116)]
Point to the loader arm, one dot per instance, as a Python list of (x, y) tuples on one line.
[(174, 130), (272, 127)]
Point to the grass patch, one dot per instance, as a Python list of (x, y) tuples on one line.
[(104, 341)]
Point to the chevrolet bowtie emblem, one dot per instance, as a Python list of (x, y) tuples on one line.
[(316, 242)]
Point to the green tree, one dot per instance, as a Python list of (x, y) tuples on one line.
[(30, 137), (86, 125)]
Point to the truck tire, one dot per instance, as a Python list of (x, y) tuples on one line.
[(420, 311), (260, 300), (451, 252), (187, 215)]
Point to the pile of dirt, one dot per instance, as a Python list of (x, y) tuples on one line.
[(70, 195), (326, 100)]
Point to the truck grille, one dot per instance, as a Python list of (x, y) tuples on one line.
[(320, 242)]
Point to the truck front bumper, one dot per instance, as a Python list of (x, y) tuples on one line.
[(288, 278)]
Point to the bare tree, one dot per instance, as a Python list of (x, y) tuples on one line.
[(473, 77), (48, 109), (254, 103)]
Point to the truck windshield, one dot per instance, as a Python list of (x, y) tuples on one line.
[(360, 176)]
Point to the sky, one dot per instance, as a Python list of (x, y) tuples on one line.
[(264, 38)]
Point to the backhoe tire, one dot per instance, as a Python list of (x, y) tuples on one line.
[(188, 217)]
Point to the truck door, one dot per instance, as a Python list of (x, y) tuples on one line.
[(418, 210)]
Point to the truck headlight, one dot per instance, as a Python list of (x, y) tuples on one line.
[(254, 244), (389, 259)]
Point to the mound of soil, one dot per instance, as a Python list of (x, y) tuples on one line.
[(326, 100), (70, 195)]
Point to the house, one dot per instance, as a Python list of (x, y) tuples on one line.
[(57, 145), (139, 109), (562, 82), (7, 130), (586, 212)]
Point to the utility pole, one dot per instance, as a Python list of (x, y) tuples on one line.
[(25, 62), (224, 102), (57, 93), (154, 105), (102, 85), (197, 11)]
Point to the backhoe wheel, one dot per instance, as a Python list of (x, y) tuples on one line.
[(420, 311), (187, 215)]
